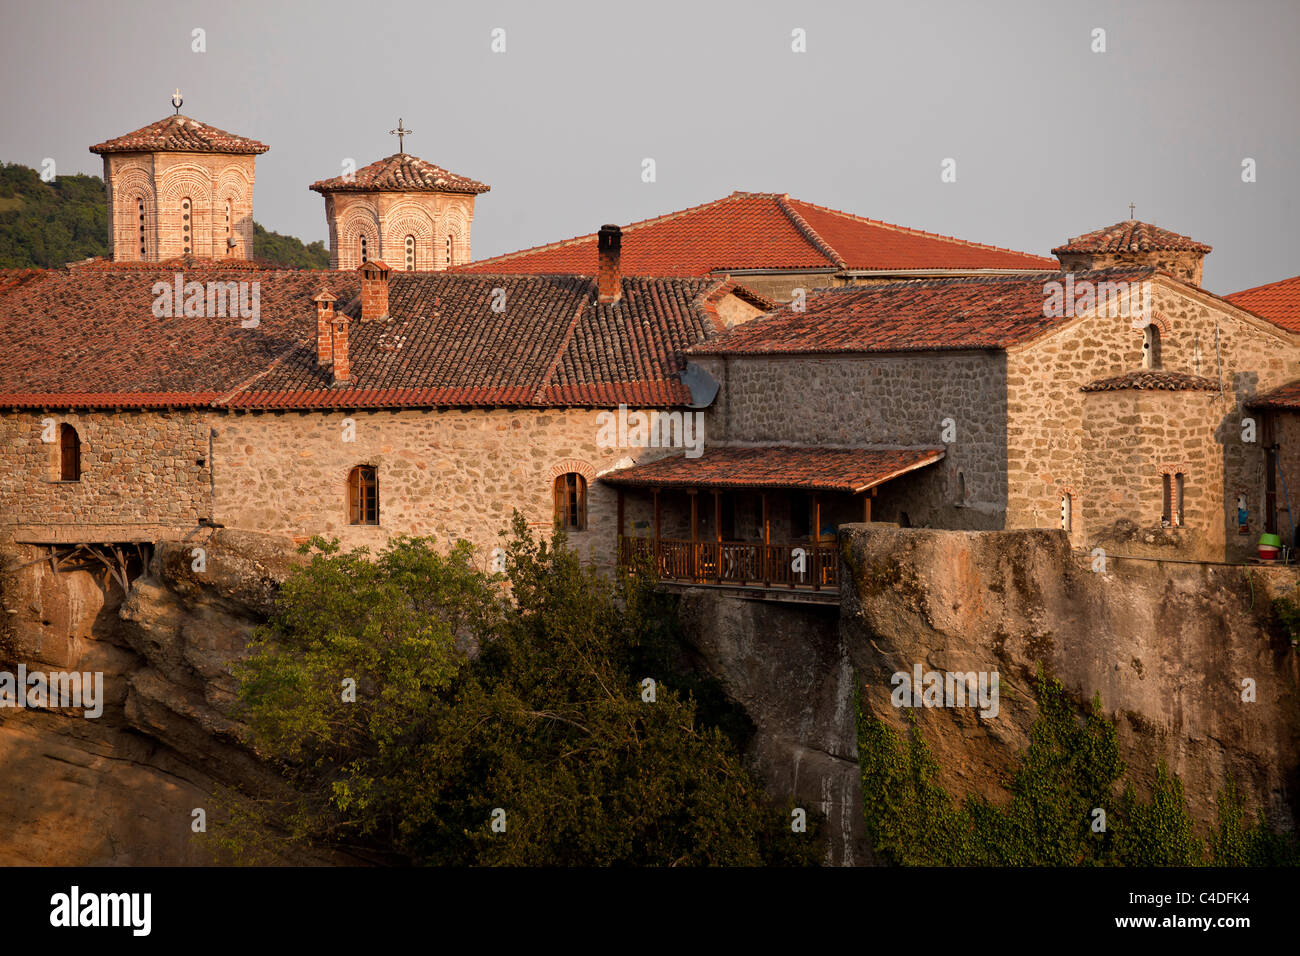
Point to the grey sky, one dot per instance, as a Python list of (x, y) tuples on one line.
[(1051, 139)]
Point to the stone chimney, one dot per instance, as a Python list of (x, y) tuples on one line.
[(1134, 243), (324, 320), (374, 291), (339, 345), (609, 278)]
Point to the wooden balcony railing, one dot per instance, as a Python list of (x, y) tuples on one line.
[(795, 564)]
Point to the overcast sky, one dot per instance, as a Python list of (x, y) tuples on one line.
[(1050, 139)]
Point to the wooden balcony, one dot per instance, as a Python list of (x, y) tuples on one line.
[(793, 565)]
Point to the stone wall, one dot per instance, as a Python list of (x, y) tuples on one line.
[(140, 472), (894, 400), (1047, 439), (449, 474), (1132, 439)]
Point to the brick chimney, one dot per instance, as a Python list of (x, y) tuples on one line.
[(339, 345), (324, 319), (374, 290), (609, 278)]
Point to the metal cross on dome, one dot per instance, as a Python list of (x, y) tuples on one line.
[(400, 134), (1131, 207)]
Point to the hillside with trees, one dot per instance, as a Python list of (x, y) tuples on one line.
[(47, 225)]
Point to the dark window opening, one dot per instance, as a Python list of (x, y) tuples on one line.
[(363, 495), (571, 501), (800, 505), (69, 454)]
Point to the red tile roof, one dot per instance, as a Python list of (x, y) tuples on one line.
[(849, 470), (401, 172), (1159, 380), (89, 337), (762, 231), (1279, 302), (180, 134), (1284, 398), (1131, 236), (983, 312)]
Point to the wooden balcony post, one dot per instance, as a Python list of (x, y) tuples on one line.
[(658, 567), (866, 506), (764, 556), (817, 541), (717, 531), (695, 532)]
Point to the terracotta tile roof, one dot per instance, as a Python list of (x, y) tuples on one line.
[(762, 231), (11, 279), (1284, 397), (1279, 302), (1161, 380), (401, 172), (985, 312), (180, 134), (1131, 236), (89, 337), (848, 470)]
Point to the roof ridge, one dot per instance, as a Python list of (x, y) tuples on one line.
[(915, 232), (586, 237), (809, 233), (1257, 288)]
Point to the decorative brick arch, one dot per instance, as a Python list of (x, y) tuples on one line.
[(181, 181), (1159, 320), (357, 220), (456, 226), (567, 465), (1174, 468), (405, 220), (131, 185)]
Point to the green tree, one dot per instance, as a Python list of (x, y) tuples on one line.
[(547, 722)]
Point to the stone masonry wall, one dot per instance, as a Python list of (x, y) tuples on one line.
[(139, 470), (449, 474), (1046, 436), (1132, 439), (894, 400)]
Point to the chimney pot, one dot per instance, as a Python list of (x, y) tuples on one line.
[(609, 278)]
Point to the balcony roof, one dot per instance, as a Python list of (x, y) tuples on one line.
[(847, 470)]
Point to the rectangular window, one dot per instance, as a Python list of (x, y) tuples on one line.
[(363, 496)]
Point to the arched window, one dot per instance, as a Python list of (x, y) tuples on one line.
[(69, 454), (571, 501), (961, 487), (185, 223), (449, 250), (1172, 514), (1151, 346), (139, 208), (410, 253), (363, 250), (229, 235), (1067, 512), (363, 495)]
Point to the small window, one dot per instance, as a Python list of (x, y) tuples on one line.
[(1172, 512), (363, 495), (1151, 346), (69, 454), (1067, 512), (228, 233), (185, 222), (139, 206), (363, 250), (410, 253), (449, 249), (571, 501), (961, 487)]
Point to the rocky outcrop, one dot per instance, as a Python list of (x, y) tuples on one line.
[(120, 789), (1167, 647)]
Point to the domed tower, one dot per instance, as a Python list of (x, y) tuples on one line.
[(179, 187), (411, 214), (1134, 243)]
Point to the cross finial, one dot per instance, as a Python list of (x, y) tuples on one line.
[(177, 101), (1131, 207), (400, 134)]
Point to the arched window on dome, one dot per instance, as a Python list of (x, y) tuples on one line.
[(364, 257), (139, 208), (187, 208), (410, 253)]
